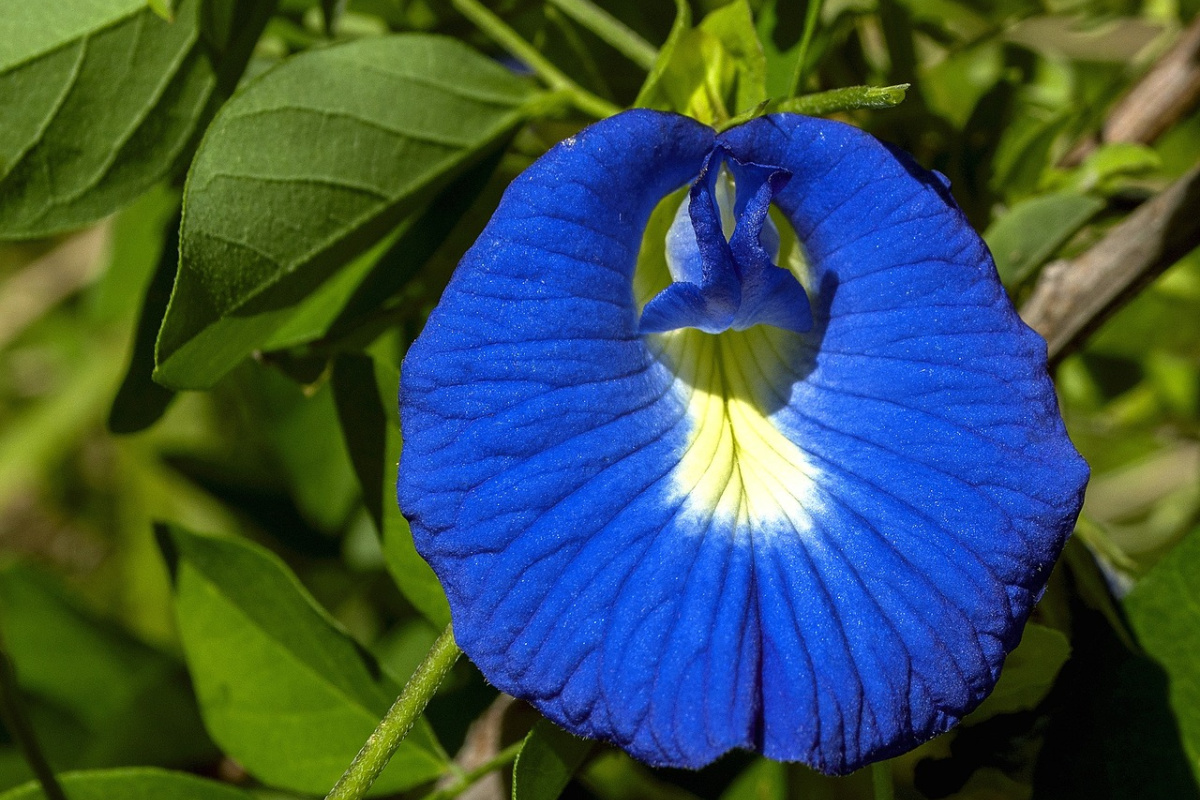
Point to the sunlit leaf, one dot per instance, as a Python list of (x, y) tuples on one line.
[(283, 689)]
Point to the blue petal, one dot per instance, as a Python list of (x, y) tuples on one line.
[(817, 544)]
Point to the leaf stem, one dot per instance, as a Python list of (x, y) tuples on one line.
[(471, 777), (398, 721), (610, 29), (12, 711), (499, 32), (811, 15)]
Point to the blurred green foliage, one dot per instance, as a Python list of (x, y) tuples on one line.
[(345, 182)]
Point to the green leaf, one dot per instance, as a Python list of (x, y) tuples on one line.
[(1025, 152), (132, 784), (1029, 672), (1028, 235), (98, 697), (711, 72), (1164, 612), (140, 402), (780, 37), (762, 780), (1151, 321), (164, 8), (1103, 170), (300, 430), (352, 299), (365, 390), (307, 166), (230, 29), (283, 689), (101, 98), (652, 93), (364, 424), (1110, 732), (332, 12), (548, 759)]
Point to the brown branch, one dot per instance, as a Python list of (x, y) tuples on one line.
[(1073, 298), (1170, 89), (1162, 96), (29, 294)]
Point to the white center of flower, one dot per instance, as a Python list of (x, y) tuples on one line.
[(738, 466)]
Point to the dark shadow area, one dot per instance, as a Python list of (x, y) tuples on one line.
[(269, 508), (1105, 731), (1114, 375), (1111, 734), (1003, 742)]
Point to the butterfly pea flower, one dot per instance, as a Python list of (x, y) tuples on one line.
[(796, 498)]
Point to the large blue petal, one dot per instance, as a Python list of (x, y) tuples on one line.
[(819, 544)]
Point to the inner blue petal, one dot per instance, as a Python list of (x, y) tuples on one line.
[(721, 252)]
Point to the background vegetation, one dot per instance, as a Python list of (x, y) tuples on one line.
[(259, 408)]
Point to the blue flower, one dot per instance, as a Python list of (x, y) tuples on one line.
[(725, 502)]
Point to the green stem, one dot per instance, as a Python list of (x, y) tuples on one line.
[(850, 98), (12, 711), (398, 721), (611, 30), (881, 780), (499, 32), (471, 777), (811, 14)]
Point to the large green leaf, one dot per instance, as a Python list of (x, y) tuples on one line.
[(548, 760), (1164, 612), (309, 165), (132, 784), (283, 689), (100, 98), (97, 696)]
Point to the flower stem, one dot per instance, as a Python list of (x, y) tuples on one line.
[(398, 721), (17, 722), (611, 30), (811, 14), (499, 32)]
